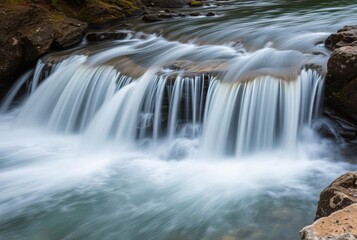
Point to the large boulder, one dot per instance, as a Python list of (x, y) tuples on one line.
[(29, 31), (345, 36), (340, 194), (341, 78), (342, 67), (341, 225)]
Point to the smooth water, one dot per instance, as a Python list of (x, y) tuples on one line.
[(195, 128)]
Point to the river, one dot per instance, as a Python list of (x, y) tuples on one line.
[(190, 128)]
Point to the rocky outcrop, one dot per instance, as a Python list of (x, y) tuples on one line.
[(101, 12), (28, 32), (341, 79), (30, 29), (340, 225), (336, 216), (346, 36), (341, 193)]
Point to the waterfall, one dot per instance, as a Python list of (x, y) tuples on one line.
[(261, 114), (235, 103)]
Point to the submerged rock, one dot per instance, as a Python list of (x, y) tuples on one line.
[(340, 194), (341, 225), (165, 3), (105, 36)]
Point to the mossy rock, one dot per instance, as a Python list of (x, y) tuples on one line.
[(196, 3)]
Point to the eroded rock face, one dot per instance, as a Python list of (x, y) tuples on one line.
[(341, 79), (340, 225), (28, 32), (342, 67), (346, 36), (340, 194)]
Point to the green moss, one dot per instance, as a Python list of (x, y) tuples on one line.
[(196, 3)]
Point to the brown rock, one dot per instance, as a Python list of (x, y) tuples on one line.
[(340, 194), (342, 67), (166, 3), (340, 225), (344, 37), (105, 36), (36, 42), (68, 33), (29, 31)]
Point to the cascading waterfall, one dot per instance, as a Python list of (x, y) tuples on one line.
[(261, 114), (188, 128), (229, 117)]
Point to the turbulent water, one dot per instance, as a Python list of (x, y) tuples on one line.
[(194, 128)]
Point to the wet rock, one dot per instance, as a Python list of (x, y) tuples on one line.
[(100, 13), (152, 18), (336, 127), (165, 3), (345, 36), (341, 78), (210, 14), (105, 36), (32, 31), (195, 14), (68, 33), (342, 67), (340, 194), (340, 225), (37, 42), (196, 3), (159, 16)]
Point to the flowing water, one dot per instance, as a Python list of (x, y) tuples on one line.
[(190, 128)]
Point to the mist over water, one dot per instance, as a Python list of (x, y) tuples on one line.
[(193, 128)]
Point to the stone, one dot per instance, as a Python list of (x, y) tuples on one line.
[(68, 33), (210, 14), (341, 67), (344, 37), (165, 3), (195, 14), (341, 193), (196, 3), (105, 36), (341, 78), (340, 225)]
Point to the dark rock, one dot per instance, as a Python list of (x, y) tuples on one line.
[(152, 18), (36, 42), (105, 36), (210, 14), (68, 33), (342, 67), (102, 12), (166, 3), (344, 37), (341, 78), (30, 31), (336, 127), (340, 194), (195, 14)]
